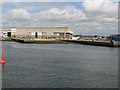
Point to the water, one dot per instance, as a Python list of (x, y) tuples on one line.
[(59, 66)]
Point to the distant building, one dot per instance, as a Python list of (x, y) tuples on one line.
[(90, 37), (75, 38), (5, 33), (42, 32), (114, 37)]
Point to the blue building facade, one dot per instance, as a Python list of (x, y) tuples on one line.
[(114, 37)]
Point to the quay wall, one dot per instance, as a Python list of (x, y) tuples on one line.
[(95, 43), (98, 43)]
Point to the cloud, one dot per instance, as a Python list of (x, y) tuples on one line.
[(43, 0), (68, 14), (20, 14), (100, 6), (55, 16), (103, 10), (96, 17)]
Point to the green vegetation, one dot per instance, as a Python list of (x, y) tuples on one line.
[(77, 35), (6, 39), (82, 36), (103, 37)]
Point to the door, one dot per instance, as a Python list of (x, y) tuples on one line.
[(36, 35), (9, 34)]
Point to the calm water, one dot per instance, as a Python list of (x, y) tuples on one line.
[(59, 66)]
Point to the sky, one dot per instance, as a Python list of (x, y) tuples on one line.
[(88, 17)]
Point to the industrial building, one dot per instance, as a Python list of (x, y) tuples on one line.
[(114, 37), (5, 33), (42, 32)]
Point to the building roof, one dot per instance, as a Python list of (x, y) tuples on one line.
[(5, 30), (55, 29), (38, 27)]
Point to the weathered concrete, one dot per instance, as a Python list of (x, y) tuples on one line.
[(41, 41), (97, 43)]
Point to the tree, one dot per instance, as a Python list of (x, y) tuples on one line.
[(95, 36)]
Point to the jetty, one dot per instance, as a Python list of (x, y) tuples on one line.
[(40, 41), (109, 43)]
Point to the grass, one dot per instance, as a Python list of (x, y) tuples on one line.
[(6, 39)]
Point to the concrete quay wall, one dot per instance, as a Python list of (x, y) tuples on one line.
[(97, 43)]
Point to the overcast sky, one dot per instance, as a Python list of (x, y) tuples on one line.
[(87, 17)]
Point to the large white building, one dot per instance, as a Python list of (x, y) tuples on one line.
[(42, 32)]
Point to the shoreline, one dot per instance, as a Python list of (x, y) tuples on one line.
[(59, 41), (42, 41), (94, 43)]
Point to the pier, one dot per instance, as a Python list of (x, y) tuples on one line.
[(96, 43), (41, 41), (107, 43)]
